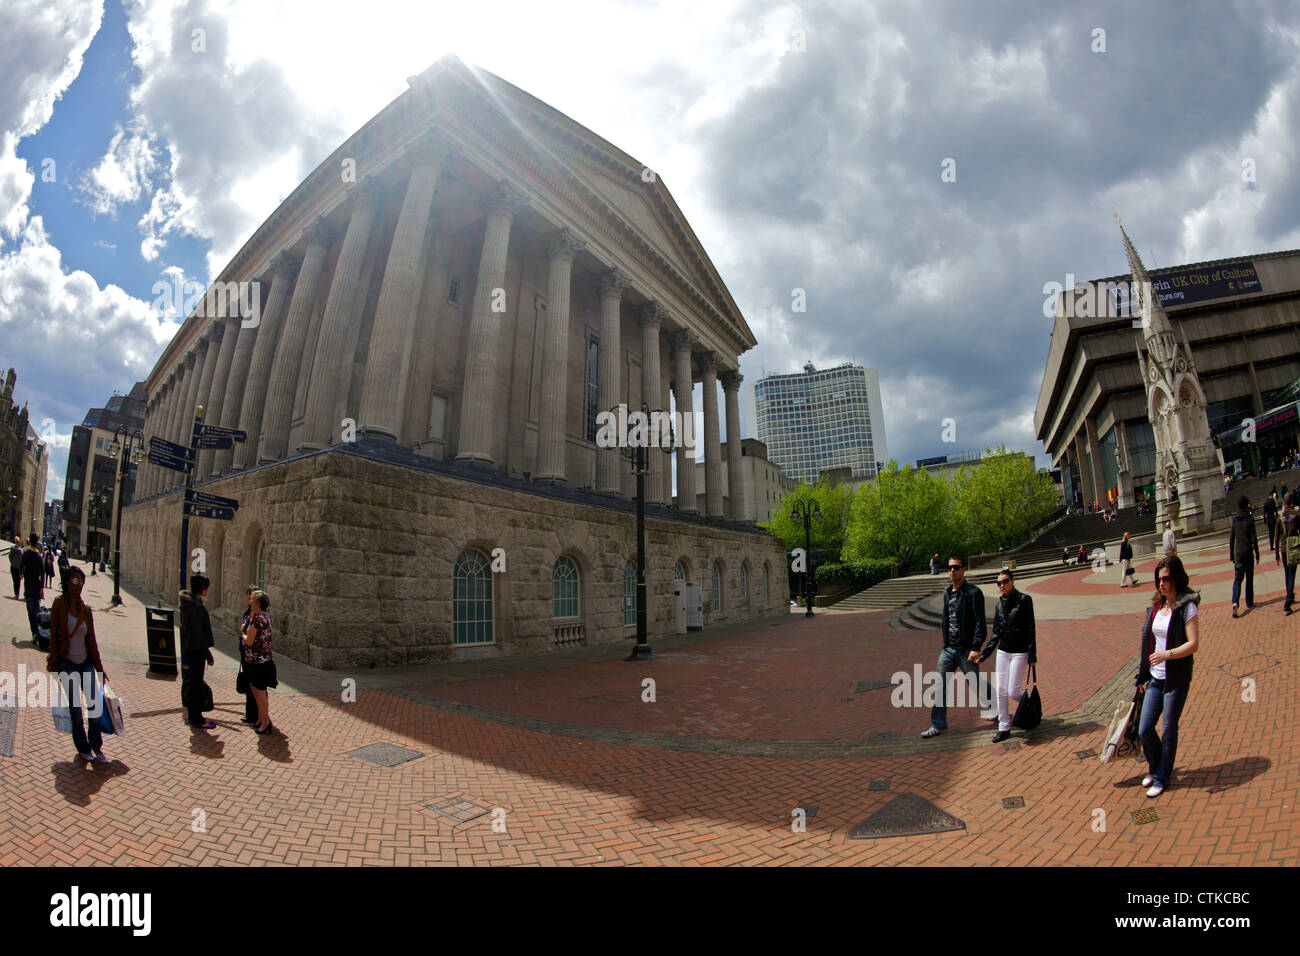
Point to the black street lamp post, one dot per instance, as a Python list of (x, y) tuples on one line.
[(131, 448), (639, 454), (808, 510), (98, 504)]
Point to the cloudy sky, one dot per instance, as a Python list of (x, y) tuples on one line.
[(806, 142)]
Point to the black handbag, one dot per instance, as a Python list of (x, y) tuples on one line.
[(1030, 712), (206, 698), (241, 680)]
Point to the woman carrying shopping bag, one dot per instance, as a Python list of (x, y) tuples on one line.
[(1170, 636), (1126, 562), (74, 656)]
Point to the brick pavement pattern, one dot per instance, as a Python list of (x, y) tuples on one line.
[(298, 798)]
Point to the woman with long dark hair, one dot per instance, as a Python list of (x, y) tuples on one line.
[(258, 663), (1170, 636), (1288, 530), (74, 656)]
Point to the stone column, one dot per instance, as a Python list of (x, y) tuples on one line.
[(154, 426), (1123, 466), (216, 403), (683, 343), (180, 391), (609, 382), (286, 365), (218, 336), (712, 441), (652, 315), (1085, 470), (555, 358), (735, 477), (246, 394), (332, 370), (388, 365), (479, 403), (1094, 458), (194, 381)]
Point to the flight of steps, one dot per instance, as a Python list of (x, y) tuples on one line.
[(904, 592)]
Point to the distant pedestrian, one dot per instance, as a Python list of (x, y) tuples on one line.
[(1170, 636), (1065, 556), (49, 567), (1126, 562), (1243, 551), (934, 564), (1171, 546), (258, 663), (33, 582), (1082, 556), (963, 630), (16, 566), (1288, 532), (1013, 639), (1270, 520), (63, 563), (74, 656), (196, 649)]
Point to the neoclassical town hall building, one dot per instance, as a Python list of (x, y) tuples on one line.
[(446, 304)]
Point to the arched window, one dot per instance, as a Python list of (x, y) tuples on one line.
[(564, 588), (679, 572), (766, 593), (629, 594), (744, 581), (717, 588), (472, 599), (260, 564)]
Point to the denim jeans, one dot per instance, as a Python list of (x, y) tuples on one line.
[(949, 660), (1244, 569), (1160, 753), (73, 686), (1288, 571)]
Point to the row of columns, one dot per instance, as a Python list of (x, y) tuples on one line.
[(247, 377)]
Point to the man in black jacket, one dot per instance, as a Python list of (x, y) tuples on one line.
[(196, 643), (962, 630), (1270, 520), (1014, 639), (33, 583), (1243, 546)]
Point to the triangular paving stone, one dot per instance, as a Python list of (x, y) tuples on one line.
[(906, 815)]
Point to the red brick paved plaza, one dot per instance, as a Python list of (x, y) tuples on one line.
[(573, 767)]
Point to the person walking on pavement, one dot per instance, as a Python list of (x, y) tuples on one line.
[(33, 582), (1170, 636), (1243, 550), (74, 656), (1171, 546), (962, 630), (49, 567), (1013, 639), (1270, 520), (196, 650), (1288, 531), (1126, 562), (250, 702), (258, 663), (16, 566)]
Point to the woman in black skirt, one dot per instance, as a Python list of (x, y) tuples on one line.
[(258, 663)]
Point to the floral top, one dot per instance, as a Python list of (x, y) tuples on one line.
[(259, 652)]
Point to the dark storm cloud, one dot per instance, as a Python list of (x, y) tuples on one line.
[(832, 172)]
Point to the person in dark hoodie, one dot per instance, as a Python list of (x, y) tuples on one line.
[(1170, 636), (1014, 640), (196, 644), (1243, 549)]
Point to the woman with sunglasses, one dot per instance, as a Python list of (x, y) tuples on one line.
[(1014, 639), (1170, 637)]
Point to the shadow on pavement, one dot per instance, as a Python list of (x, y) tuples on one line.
[(78, 781)]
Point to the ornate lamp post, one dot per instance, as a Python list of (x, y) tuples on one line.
[(639, 455), (808, 510), (97, 505), (131, 448)]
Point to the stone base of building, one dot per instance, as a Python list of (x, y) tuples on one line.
[(358, 545)]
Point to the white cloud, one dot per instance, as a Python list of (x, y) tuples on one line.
[(123, 174)]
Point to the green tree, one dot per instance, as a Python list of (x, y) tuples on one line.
[(833, 501), (906, 513), (1002, 499)]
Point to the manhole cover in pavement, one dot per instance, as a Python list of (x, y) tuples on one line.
[(385, 755), (1148, 815), (906, 815), (1250, 664), (1012, 803), (462, 811), (885, 735), (878, 785), (1085, 754), (809, 811), (1011, 745), (8, 724), (869, 685)]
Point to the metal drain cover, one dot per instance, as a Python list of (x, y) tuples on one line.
[(385, 755), (809, 810), (869, 685), (1085, 754), (462, 811), (906, 815), (8, 724), (1012, 803), (1148, 815), (878, 785)]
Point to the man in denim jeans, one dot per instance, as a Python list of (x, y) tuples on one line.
[(963, 630), (1243, 548)]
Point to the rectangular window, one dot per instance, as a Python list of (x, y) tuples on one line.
[(453, 292), (593, 385)]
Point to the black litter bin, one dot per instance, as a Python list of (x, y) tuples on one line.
[(161, 634)]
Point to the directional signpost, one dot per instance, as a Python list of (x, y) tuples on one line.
[(170, 455), (196, 504)]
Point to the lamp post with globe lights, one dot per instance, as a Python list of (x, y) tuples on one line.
[(128, 449)]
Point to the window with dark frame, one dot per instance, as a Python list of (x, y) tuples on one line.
[(593, 389)]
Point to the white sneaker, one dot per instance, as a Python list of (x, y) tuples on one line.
[(1155, 791), (1148, 780)]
